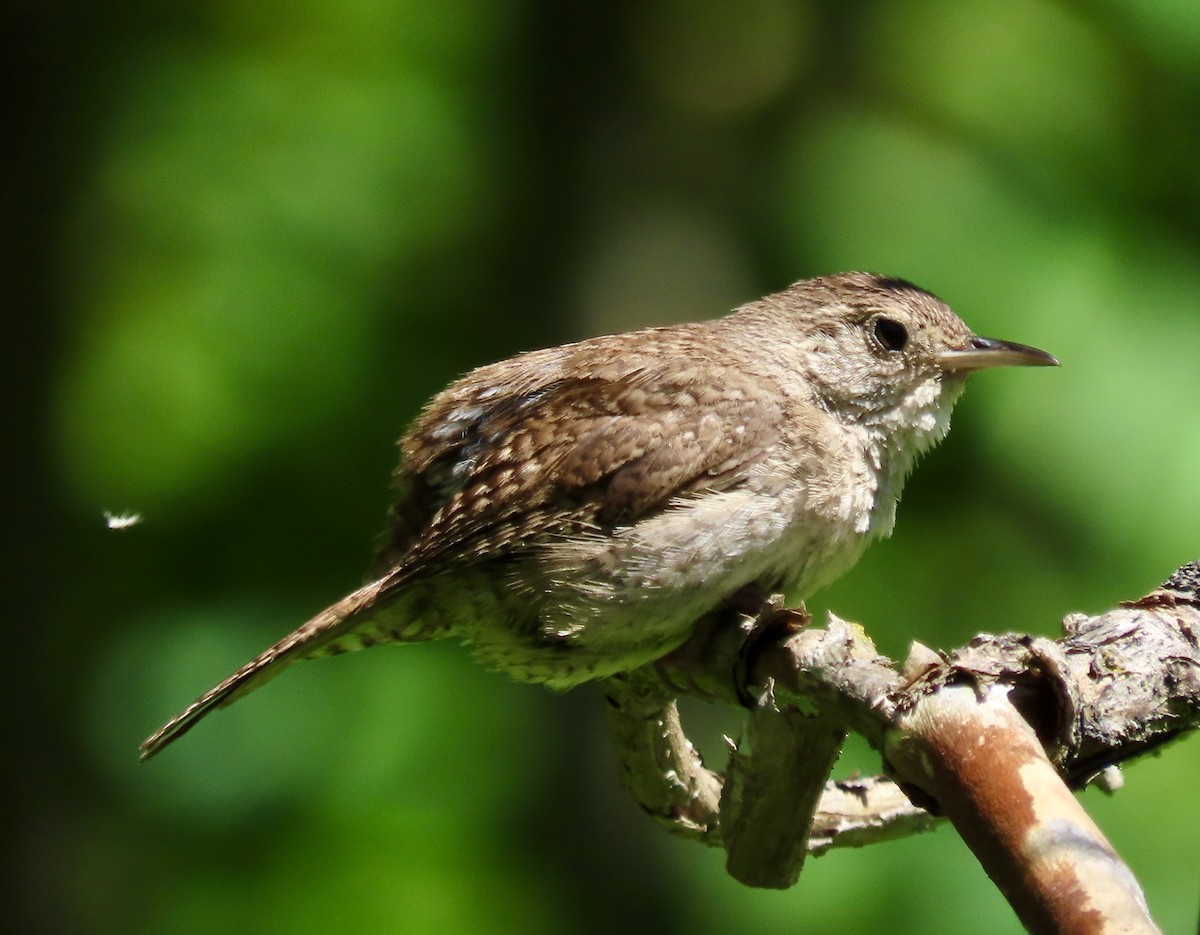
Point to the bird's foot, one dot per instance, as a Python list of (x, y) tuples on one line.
[(771, 623), (729, 640)]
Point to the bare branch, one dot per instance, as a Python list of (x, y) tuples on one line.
[(773, 788), (1114, 687), (991, 776), (868, 810), (659, 766)]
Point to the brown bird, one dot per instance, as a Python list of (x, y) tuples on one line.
[(573, 512)]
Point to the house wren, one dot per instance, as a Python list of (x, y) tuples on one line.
[(573, 512)]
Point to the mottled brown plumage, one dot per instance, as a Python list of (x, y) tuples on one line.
[(573, 512)]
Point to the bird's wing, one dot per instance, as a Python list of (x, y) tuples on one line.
[(491, 473)]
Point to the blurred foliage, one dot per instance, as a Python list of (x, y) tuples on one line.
[(253, 238)]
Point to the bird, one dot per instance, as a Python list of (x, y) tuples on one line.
[(572, 513)]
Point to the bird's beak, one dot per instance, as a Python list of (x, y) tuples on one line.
[(982, 353)]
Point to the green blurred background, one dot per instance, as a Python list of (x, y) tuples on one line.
[(249, 239)]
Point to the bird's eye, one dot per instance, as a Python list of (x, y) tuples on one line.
[(889, 334)]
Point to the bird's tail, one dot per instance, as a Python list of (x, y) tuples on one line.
[(328, 632)]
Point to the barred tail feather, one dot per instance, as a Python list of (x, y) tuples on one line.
[(318, 633)]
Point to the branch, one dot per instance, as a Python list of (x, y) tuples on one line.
[(990, 774), (1115, 687), (775, 781), (659, 766)]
